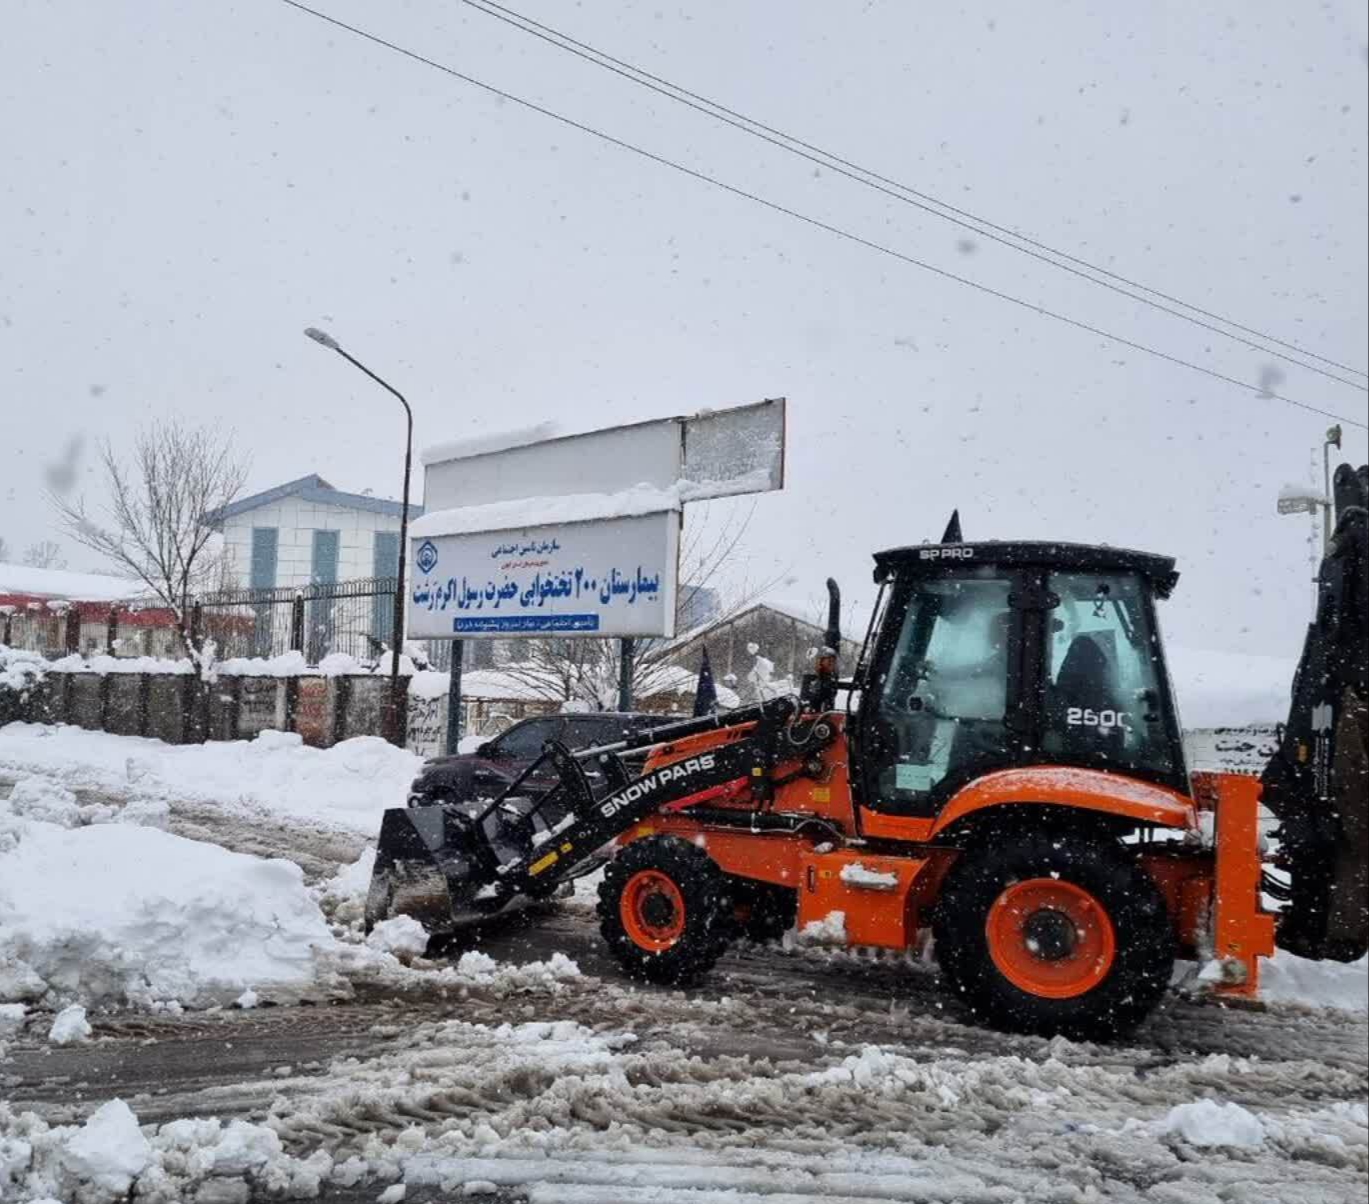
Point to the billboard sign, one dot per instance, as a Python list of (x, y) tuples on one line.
[(716, 453), (610, 577), (537, 533)]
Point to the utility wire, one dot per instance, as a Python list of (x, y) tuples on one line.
[(816, 223), (909, 195)]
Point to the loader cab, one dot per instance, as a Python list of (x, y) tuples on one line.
[(989, 656)]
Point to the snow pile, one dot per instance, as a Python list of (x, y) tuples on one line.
[(119, 913), (353, 881), (1205, 1122), (830, 930), (109, 1151), (429, 684), (364, 963), (43, 800), (110, 1158), (401, 935), (348, 785), (1287, 978), (69, 1026), (20, 669)]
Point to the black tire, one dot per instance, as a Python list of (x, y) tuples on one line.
[(1131, 982), (764, 912), (696, 901)]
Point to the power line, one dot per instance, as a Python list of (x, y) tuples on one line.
[(918, 200), (816, 223)]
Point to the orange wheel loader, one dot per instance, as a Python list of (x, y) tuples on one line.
[(1005, 769)]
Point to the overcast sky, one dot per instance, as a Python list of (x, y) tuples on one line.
[(185, 186)]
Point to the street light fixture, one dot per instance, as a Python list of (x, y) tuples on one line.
[(1303, 499), (324, 339)]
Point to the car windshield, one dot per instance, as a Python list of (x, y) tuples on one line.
[(525, 741)]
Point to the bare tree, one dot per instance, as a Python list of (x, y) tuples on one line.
[(156, 524), (46, 554), (4, 550), (586, 671)]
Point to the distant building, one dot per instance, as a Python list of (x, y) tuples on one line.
[(54, 611), (306, 532), (784, 633)]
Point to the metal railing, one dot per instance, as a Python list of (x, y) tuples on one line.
[(352, 617)]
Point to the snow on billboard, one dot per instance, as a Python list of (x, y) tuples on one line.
[(609, 577), (716, 453)]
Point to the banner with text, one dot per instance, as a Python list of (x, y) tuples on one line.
[(612, 577)]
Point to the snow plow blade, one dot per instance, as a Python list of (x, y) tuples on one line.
[(452, 864), (425, 868)]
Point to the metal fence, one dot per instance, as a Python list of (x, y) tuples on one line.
[(353, 617)]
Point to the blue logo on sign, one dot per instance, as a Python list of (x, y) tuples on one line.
[(427, 556)]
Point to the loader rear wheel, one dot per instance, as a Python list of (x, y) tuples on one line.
[(664, 909), (1048, 932)]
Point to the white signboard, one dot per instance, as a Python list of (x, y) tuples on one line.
[(611, 577), (718, 453)]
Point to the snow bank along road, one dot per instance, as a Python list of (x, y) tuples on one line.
[(787, 1076)]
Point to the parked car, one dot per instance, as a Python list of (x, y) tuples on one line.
[(495, 763)]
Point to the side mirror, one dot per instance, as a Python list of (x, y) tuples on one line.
[(486, 750)]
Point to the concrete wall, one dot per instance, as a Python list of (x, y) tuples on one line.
[(297, 520), (171, 706)]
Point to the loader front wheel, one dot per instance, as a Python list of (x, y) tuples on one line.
[(1051, 933), (664, 907)]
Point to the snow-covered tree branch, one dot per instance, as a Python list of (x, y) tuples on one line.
[(155, 525)]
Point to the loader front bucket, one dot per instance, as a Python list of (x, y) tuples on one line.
[(429, 866), (447, 864)]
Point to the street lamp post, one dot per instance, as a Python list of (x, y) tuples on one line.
[(1332, 440), (324, 339)]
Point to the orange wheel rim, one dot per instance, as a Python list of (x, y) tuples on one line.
[(1051, 938), (652, 910)]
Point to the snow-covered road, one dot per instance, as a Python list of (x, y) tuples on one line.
[(787, 1076)]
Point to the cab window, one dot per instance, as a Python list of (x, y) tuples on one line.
[(943, 703), (1104, 696)]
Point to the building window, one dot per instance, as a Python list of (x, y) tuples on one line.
[(263, 570), (262, 575), (385, 563), (323, 571)]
